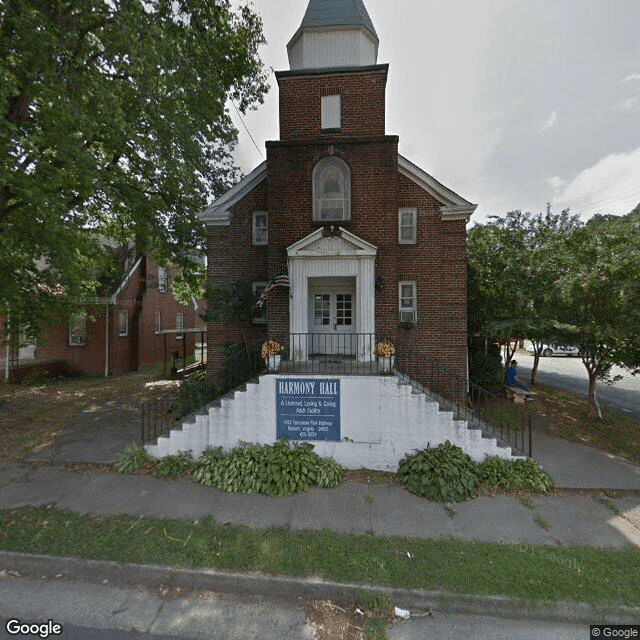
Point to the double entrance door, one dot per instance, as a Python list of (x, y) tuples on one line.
[(332, 319)]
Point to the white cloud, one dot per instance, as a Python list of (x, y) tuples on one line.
[(632, 77), (630, 103), (550, 121), (556, 183), (612, 185)]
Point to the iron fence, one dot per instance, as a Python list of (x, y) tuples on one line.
[(480, 408), (158, 418), (355, 353)]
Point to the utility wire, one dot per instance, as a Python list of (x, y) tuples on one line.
[(245, 126)]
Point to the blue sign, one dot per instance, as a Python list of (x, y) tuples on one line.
[(308, 409)]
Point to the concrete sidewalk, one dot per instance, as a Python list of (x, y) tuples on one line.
[(353, 507), (575, 518)]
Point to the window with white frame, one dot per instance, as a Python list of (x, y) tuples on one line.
[(163, 279), (407, 301), (78, 329), (331, 190), (158, 322), (260, 227), (407, 226), (330, 107), (123, 323), (179, 325), (260, 316)]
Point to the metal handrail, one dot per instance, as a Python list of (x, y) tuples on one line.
[(319, 353), (468, 401)]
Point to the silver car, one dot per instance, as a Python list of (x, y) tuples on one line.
[(557, 350)]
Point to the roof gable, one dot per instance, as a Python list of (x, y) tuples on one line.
[(454, 206), (218, 213), (331, 242)]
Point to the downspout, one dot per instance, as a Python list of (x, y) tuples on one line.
[(7, 359), (106, 340)]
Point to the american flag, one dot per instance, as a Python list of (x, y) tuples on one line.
[(280, 279)]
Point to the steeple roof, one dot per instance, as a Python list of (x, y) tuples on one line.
[(334, 13)]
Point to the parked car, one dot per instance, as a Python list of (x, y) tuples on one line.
[(557, 350)]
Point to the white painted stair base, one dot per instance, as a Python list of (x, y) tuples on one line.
[(381, 421)]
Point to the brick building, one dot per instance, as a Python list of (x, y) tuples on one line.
[(370, 243), (130, 326)]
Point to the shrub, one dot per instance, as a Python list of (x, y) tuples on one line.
[(514, 475), (174, 466), (485, 367), (135, 458), (443, 474), (278, 470), (239, 470), (204, 470), (191, 397), (328, 473), (496, 472)]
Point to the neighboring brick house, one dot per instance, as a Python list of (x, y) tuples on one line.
[(372, 244), (122, 329)]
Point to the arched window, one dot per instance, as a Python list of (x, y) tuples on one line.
[(331, 190)]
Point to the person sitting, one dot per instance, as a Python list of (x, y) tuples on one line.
[(513, 379)]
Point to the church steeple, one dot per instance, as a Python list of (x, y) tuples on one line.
[(334, 33)]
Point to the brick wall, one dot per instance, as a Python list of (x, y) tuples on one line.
[(437, 262), (362, 96), (141, 347)]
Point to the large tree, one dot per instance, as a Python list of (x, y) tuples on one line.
[(114, 123), (512, 283), (600, 295)]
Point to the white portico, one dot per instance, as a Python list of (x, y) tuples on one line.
[(332, 297)]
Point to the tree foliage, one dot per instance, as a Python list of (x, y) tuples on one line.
[(113, 120), (600, 295), (512, 265), (550, 278)]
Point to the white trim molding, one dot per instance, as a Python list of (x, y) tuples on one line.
[(454, 207), (218, 213)]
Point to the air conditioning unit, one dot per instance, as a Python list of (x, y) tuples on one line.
[(408, 316)]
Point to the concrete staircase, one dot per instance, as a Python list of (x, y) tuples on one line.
[(382, 419)]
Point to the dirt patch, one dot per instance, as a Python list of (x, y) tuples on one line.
[(333, 622), (35, 415)]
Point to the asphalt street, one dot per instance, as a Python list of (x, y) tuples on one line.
[(570, 374)]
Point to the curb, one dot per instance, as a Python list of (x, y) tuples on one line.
[(256, 584)]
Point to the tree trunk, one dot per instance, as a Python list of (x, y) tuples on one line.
[(591, 396), (534, 369)]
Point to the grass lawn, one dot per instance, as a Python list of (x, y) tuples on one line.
[(520, 571), (565, 415)]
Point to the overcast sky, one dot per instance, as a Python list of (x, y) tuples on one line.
[(510, 103)]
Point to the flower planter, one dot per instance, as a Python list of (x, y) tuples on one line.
[(273, 362), (385, 363)]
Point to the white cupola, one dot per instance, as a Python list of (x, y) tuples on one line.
[(334, 33)]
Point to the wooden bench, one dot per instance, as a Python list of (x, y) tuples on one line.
[(517, 395)]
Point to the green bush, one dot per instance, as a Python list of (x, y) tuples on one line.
[(135, 458), (514, 475), (174, 466), (277, 470), (443, 474), (328, 473), (204, 470), (485, 367), (191, 397), (496, 472)]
